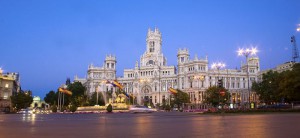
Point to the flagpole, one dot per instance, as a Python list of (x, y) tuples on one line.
[(169, 99), (97, 93), (63, 100), (58, 101)]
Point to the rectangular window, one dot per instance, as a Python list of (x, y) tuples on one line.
[(5, 96), (6, 85)]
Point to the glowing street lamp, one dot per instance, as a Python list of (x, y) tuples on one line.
[(218, 66), (298, 28), (246, 52)]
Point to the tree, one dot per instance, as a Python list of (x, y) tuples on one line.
[(279, 87), (289, 85), (217, 95), (179, 98), (54, 108), (73, 108), (51, 98), (268, 88), (76, 88), (93, 99), (78, 96), (21, 100), (109, 108)]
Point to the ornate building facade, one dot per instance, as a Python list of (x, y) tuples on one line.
[(150, 79), (9, 85)]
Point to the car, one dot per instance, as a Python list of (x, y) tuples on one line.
[(25, 111), (141, 109)]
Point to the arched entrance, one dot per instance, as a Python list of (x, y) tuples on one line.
[(146, 96)]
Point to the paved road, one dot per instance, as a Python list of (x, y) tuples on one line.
[(152, 125)]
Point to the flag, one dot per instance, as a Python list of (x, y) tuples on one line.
[(117, 84), (65, 91), (173, 91), (126, 94), (107, 82)]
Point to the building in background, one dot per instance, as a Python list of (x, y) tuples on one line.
[(9, 85), (38, 103), (279, 68), (150, 79)]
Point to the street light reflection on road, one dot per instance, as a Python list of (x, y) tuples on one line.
[(233, 126), (160, 124), (143, 126), (29, 118)]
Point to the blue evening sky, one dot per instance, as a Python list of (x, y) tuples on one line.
[(47, 41)]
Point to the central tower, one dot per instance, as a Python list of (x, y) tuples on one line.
[(153, 54), (153, 41)]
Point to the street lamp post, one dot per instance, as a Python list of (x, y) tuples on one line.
[(218, 66), (247, 52)]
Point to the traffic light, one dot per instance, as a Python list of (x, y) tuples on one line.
[(220, 83)]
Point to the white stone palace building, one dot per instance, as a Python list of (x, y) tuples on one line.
[(152, 76)]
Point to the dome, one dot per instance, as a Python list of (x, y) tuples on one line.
[(36, 98)]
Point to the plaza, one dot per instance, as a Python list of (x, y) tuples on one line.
[(160, 124)]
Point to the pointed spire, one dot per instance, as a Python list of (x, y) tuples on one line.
[(196, 57), (136, 65)]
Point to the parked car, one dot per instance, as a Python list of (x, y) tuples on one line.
[(141, 109)]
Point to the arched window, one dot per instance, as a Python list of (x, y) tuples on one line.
[(150, 62)]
